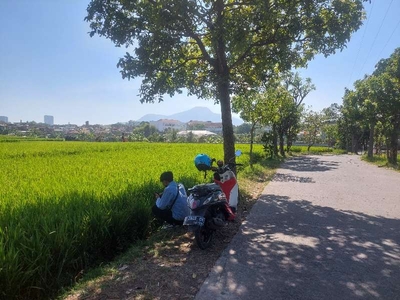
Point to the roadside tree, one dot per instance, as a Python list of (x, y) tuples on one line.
[(290, 123), (312, 125), (254, 108), (215, 49), (386, 89), (331, 116)]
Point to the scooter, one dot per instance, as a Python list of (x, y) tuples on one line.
[(226, 179), (212, 204)]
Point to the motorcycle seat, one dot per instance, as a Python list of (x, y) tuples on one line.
[(205, 189)]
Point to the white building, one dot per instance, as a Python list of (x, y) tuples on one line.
[(209, 126), (164, 124), (197, 133), (49, 120)]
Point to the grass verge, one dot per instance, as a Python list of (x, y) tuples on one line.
[(381, 161), (302, 150)]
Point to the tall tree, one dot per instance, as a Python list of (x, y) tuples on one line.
[(252, 108), (260, 108), (287, 121), (376, 101), (368, 108), (386, 88), (360, 114), (352, 120), (312, 124), (331, 116), (220, 47), (299, 90)]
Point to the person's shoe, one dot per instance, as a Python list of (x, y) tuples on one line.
[(167, 226)]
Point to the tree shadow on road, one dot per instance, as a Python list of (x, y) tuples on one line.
[(304, 251), (291, 178), (309, 164)]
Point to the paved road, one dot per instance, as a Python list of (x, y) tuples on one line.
[(326, 227)]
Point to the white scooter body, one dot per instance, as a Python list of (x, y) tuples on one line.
[(230, 187)]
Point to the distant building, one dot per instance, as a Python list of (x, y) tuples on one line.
[(49, 120), (4, 119), (164, 124), (87, 123), (197, 133), (201, 125)]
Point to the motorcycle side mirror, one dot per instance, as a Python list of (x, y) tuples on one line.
[(238, 153)]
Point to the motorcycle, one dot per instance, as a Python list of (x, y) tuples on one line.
[(212, 204)]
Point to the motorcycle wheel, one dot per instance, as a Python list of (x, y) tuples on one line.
[(203, 237)]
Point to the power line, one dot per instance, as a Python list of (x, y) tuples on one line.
[(379, 30), (362, 39), (390, 37)]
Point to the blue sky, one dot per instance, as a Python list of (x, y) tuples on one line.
[(50, 66)]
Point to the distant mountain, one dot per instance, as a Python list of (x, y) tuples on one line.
[(195, 114), (151, 117)]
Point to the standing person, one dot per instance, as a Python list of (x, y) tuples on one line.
[(171, 205)]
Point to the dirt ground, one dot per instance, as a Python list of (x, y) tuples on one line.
[(172, 269)]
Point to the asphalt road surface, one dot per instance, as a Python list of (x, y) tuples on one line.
[(326, 227)]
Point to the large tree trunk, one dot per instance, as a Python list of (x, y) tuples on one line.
[(387, 150), (253, 127), (281, 144), (289, 130), (394, 144), (275, 140), (227, 127), (348, 144), (289, 141), (371, 140), (222, 71), (354, 144), (288, 145)]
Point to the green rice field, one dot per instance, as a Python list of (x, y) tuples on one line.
[(65, 206)]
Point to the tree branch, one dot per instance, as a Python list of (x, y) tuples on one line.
[(190, 33), (247, 52), (181, 64), (202, 47)]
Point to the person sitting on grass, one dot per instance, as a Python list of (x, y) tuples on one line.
[(171, 205)]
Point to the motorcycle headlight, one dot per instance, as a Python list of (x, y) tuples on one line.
[(221, 197)]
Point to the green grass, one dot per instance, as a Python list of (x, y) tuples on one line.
[(316, 150), (261, 167), (381, 161), (65, 206)]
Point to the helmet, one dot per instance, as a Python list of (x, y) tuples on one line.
[(203, 162)]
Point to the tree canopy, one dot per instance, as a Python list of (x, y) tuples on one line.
[(312, 125), (375, 101), (214, 49)]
